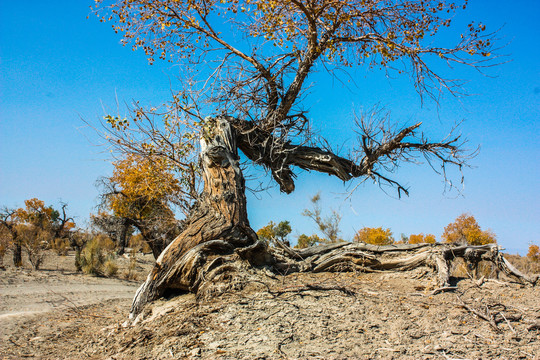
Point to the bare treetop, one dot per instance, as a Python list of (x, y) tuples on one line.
[(257, 54), (248, 61)]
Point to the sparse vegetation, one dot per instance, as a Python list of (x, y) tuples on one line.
[(97, 257), (35, 241), (110, 268), (327, 225)]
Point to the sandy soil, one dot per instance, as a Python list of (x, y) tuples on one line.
[(310, 316)]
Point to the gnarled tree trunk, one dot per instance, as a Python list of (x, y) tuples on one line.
[(217, 240), (218, 223)]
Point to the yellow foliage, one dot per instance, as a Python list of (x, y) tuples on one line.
[(266, 232), (421, 239), (465, 229), (305, 241), (534, 253), (273, 231), (375, 236), (36, 213), (355, 32), (104, 242), (144, 186)]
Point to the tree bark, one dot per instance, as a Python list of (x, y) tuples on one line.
[(17, 255), (156, 243), (218, 241), (122, 239), (218, 224)]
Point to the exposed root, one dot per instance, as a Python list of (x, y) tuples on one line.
[(215, 267)]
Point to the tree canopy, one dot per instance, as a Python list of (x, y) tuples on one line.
[(143, 191), (273, 231), (374, 236), (465, 229), (250, 60), (421, 239), (35, 227)]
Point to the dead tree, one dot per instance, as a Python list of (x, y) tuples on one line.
[(218, 242), (257, 87)]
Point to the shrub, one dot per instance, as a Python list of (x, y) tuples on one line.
[(130, 273), (4, 243), (97, 258), (35, 241), (529, 264), (375, 236), (92, 258), (60, 246), (110, 268), (105, 242), (137, 243)]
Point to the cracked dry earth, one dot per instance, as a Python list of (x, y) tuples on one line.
[(308, 316)]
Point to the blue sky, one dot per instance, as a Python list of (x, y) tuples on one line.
[(57, 67)]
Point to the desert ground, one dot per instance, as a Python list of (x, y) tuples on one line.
[(57, 313)]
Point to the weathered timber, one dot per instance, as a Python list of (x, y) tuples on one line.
[(217, 244), (217, 225)]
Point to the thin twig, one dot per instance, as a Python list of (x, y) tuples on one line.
[(487, 317)]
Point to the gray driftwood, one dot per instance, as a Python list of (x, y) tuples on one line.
[(218, 243)]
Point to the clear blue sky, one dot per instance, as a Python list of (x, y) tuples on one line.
[(57, 67)]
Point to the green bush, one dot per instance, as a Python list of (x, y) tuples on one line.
[(92, 258)]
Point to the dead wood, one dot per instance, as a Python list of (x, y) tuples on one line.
[(484, 315), (315, 287), (217, 263), (217, 225), (218, 250)]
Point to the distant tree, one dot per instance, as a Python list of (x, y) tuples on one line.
[(9, 222), (142, 193), (374, 236), (305, 241), (119, 229), (421, 238), (34, 228), (35, 240), (5, 242), (78, 239), (534, 253), (272, 231), (465, 229), (328, 225), (62, 226)]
